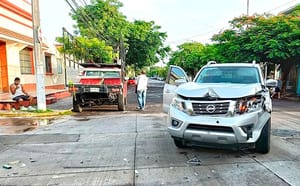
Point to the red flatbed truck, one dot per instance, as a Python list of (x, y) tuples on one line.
[(100, 84)]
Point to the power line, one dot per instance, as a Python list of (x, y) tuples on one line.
[(280, 6), (85, 18)]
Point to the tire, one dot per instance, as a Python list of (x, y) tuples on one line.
[(263, 143), (121, 103), (179, 143), (76, 106)]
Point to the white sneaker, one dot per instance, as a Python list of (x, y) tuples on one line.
[(23, 108), (30, 108)]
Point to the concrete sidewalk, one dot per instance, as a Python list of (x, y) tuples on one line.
[(59, 102)]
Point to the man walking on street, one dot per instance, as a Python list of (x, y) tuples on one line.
[(19, 94), (141, 89)]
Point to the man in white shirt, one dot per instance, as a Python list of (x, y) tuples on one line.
[(19, 94), (141, 89)]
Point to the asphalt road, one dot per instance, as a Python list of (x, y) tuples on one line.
[(134, 148)]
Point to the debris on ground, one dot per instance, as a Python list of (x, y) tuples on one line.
[(194, 161), (6, 166)]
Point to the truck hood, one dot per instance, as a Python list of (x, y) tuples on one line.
[(217, 90)]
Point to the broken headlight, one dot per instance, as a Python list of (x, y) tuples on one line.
[(249, 104), (182, 105)]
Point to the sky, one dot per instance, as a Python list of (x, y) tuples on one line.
[(183, 20)]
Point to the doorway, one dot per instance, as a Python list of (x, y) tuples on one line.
[(4, 87)]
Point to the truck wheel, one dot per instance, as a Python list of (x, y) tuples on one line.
[(179, 143), (76, 106), (121, 103), (263, 143)]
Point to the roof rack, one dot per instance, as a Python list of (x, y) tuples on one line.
[(211, 62), (99, 65)]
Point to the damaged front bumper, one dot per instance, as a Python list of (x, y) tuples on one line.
[(237, 129)]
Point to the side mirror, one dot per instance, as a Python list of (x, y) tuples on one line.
[(271, 83), (180, 81)]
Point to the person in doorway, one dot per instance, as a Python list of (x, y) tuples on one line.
[(19, 94), (141, 89)]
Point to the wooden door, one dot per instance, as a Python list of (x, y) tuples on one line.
[(4, 87)]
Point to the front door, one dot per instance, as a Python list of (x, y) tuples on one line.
[(3, 68), (176, 76)]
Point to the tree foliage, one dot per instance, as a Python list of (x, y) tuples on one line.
[(102, 24), (102, 19), (264, 38), (158, 72), (87, 49), (192, 56), (145, 44)]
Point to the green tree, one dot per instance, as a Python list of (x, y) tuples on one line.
[(87, 49), (192, 56), (264, 38), (146, 44), (102, 19), (158, 72)]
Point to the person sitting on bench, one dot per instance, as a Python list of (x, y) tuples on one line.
[(19, 94)]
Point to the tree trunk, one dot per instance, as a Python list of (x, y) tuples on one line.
[(285, 67)]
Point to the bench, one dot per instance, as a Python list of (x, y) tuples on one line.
[(7, 104)]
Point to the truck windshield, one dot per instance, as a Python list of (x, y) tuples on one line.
[(239, 75), (103, 74)]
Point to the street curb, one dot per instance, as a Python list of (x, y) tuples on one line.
[(27, 114)]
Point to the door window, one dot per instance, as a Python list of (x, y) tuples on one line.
[(176, 73)]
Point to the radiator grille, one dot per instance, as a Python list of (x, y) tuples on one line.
[(210, 108)]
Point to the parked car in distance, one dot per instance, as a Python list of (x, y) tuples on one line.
[(131, 81), (226, 105)]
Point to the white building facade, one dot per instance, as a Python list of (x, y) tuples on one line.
[(16, 49)]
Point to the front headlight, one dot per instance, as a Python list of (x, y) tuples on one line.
[(249, 104), (182, 105)]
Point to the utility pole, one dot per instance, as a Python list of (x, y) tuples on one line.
[(38, 56), (247, 7)]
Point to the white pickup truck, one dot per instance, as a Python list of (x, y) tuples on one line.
[(226, 105)]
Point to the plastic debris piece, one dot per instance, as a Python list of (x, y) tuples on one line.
[(136, 173), (14, 162), (32, 160), (6, 166), (194, 161)]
